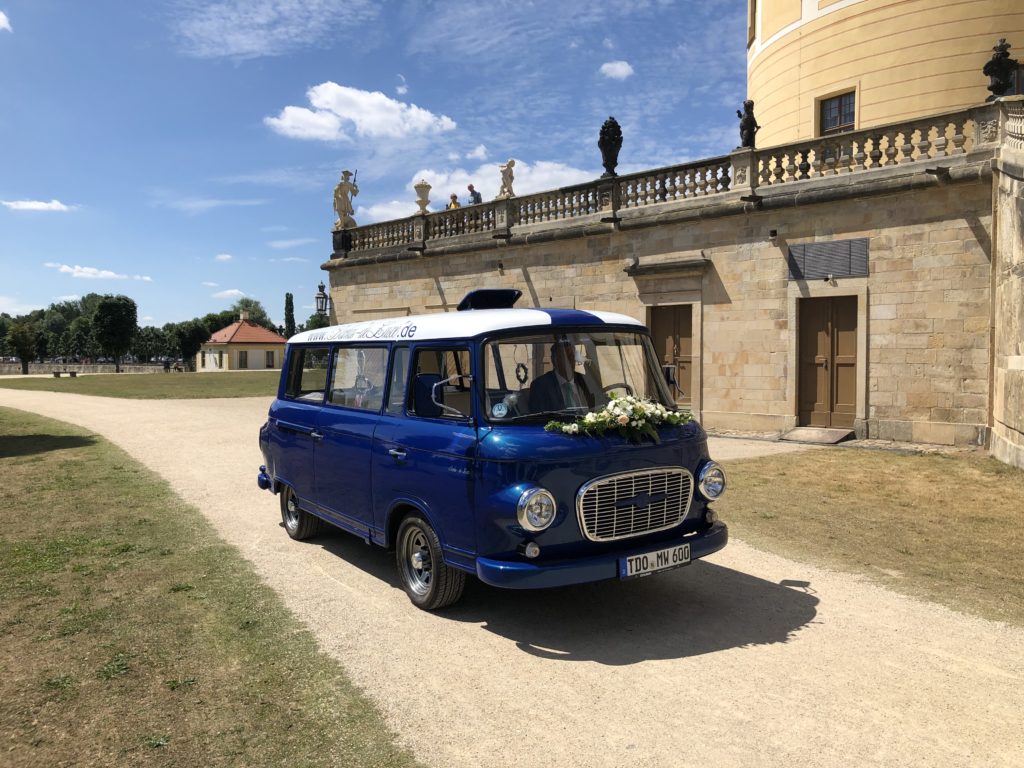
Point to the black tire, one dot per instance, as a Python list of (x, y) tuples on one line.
[(298, 523), (428, 581)]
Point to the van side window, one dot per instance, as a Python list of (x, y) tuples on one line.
[(307, 373), (450, 366), (358, 380), (399, 376)]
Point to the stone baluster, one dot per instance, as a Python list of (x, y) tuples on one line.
[(804, 166), (907, 148), (725, 181), (891, 148), (843, 163), (791, 165), (860, 157), (924, 145), (959, 136), (940, 141)]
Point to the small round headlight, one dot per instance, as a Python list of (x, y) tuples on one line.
[(711, 480), (536, 509)]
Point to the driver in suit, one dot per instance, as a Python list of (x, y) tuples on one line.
[(561, 387)]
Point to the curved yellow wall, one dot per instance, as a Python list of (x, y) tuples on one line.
[(904, 58)]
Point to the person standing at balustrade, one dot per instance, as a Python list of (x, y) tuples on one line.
[(453, 203), (475, 198)]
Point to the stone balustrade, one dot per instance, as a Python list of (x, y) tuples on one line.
[(928, 139)]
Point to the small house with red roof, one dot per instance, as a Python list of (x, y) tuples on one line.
[(241, 346)]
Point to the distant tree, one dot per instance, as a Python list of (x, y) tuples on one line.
[(289, 316), (317, 321), (214, 321), (22, 339), (80, 341), (257, 313), (114, 325), (89, 302), (148, 343), (5, 325), (191, 335)]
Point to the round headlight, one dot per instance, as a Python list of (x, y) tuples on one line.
[(711, 480), (536, 509)]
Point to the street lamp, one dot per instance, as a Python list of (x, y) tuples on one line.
[(321, 300)]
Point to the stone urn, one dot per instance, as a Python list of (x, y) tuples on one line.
[(422, 188)]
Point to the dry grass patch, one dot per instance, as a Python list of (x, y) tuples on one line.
[(130, 635), (947, 527), (156, 386)]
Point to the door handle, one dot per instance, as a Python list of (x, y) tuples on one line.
[(396, 453), (316, 435)]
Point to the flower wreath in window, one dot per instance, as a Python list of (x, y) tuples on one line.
[(631, 417)]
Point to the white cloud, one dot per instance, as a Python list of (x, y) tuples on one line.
[(231, 293), (394, 209), (12, 306), (208, 284), (223, 257), (454, 157), (294, 259), (68, 297), (479, 152), (616, 70), (246, 29), (147, 318), (336, 109), (204, 204), (93, 273), (402, 88), (528, 178), (608, 43), (5, 23), (281, 244), (37, 205)]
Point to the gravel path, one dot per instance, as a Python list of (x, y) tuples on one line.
[(740, 660)]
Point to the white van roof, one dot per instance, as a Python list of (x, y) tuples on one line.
[(459, 325)]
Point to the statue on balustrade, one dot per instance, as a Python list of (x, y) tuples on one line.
[(610, 142), (748, 125), (999, 69), (343, 194), (506, 180)]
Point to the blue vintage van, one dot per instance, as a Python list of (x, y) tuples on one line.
[(531, 447)]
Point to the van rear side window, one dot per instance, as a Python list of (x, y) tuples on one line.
[(307, 374), (358, 380)]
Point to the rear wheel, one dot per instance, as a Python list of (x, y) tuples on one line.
[(297, 523), (429, 582)]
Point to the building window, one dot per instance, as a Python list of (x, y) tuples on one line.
[(829, 261), (270, 359), (1017, 81), (837, 113), (243, 359)]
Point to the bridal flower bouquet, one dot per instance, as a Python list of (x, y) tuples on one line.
[(631, 417)]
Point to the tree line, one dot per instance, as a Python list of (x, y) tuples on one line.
[(106, 325)]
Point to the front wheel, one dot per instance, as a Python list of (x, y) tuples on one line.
[(429, 582), (298, 523)]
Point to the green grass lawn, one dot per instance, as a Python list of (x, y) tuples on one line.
[(946, 527), (155, 386), (131, 635)]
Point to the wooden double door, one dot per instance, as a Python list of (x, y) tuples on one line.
[(828, 362), (672, 332)]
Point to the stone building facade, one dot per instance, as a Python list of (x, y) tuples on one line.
[(873, 280)]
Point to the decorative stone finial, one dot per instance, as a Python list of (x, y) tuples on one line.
[(999, 70), (506, 180), (343, 194), (610, 142), (748, 125), (422, 188)]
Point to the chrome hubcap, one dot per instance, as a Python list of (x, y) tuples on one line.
[(291, 515), (418, 565)]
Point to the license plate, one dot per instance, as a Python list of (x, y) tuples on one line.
[(652, 562)]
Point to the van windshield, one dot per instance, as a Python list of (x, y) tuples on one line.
[(533, 377)]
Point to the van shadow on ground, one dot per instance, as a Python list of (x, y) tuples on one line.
[(29, 445), (695, 610)]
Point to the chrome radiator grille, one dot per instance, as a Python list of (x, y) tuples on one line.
[(634, 503)]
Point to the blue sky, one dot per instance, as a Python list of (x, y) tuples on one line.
[(184, 153)]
